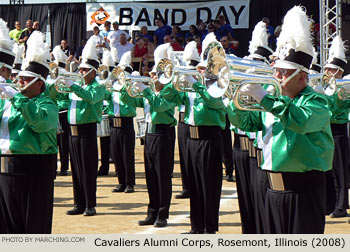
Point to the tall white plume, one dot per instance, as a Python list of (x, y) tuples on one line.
[(191, 52), (126, 59), (114, 53), (259, 37), (163, 51), (89, 51), (107, 58), (5, 41), (37, 50), (337, 49), (208, 39), (18, 50), (296, 31), (59, 54)]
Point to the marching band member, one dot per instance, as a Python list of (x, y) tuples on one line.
[(205, 116), (19, 51), (62, 103), (338, 192), (123, 134), (84, 111), (28, 143), (158, 147), (297, 141)]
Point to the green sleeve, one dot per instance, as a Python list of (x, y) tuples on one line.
[(310, 115), (92, 96), (131, 101), (158, 103), (41, 115), (172, 95), (214, 103), (245, 120)]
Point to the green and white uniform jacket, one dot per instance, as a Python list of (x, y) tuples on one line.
[(200, 108), (118, 108), (28, 126), (157, 111), (84, 103), (296, 134), (339, 109)]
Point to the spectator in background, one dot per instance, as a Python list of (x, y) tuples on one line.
[(161, 32), (142, 49), (202, 28), (199, 43), (192, 31), (176, 31), (122, 46), (224, 29), (229, 48), (145, 35), (176, 46), (36, 26), (104, 33), (115, 34), (211, 28), (16, 33), (270, 32), (79, 51), (99, 41), (26, 33)]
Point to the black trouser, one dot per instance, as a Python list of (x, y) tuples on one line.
[(26, 194), (105, 143), (157, 155), (227, 148), (245, 201), (300, 207), (259, 185), (339, 171), (182, 137), (172, 139), (205, 177), (123, 150), (63, 141), (84, 163)]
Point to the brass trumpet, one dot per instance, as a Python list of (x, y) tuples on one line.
[(60, 76), (340, 87), (103, 72), (256, 67), (14, 85), (115, 80), (133, 91)]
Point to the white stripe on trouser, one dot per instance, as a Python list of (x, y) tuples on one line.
[(4, 129)]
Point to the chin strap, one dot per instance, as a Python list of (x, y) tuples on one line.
[(30, 83), (88, 72), (291, 76)]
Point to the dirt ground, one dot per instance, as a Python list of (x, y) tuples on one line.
[(118, 213)]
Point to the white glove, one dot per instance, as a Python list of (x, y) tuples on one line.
[(189, 79), (140, 86), (319, 89), (9, 92), (2, 79), (254, 90), (68, 82)]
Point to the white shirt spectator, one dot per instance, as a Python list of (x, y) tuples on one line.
[(98, 39), (115, 35), (121, 49)]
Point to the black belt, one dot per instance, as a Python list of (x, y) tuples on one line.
[(157, 128), (295, 181), (88, 129), (201, 132)]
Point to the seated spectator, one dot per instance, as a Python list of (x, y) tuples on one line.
[(161, 32), (199, 43), (270, 32), (145, 34), (79, 51), (202, 28), (176, 32), (122, 46), (176, 46), (142, 49), (192, 31), (229, 48)]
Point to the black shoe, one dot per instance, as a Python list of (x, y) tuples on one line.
[(230, 178), (161, 223), (147, 221), (64, 173), (90, 211), (182, 195), (102, 173), (348, 221), (338, 213), (194, 232), (129, 189), (209, 232), (75, 211), (119, 188)]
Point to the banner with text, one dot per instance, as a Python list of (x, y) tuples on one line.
[(134, 15)]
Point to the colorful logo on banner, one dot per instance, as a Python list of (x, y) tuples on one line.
[(99, 17)]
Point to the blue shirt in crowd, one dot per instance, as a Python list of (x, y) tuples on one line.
[(161, 32)]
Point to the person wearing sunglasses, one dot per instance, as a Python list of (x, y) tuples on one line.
[(16, 33)]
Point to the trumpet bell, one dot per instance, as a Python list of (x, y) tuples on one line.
[(164, 71), (132, 89), (218, 76), (60, 85), (214, 48), (116, 80), (53, 70), (103, 72)]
